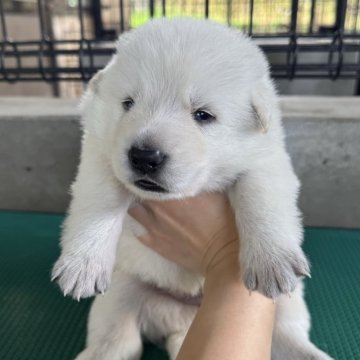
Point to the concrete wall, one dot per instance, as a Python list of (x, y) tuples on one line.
[(323, 138), (40, 142)]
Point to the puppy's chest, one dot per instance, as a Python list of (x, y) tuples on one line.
[(136, 259)]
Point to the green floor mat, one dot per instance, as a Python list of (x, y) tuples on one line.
[(37, 323)]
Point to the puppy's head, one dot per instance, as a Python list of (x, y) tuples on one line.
[(184, 106)]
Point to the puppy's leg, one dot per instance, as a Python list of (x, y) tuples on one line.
[(163, 317), (114, 323), (264, 201), (92, 227), (289, 343), (174, 343), (119, 344), (291, 330), (173, 319)]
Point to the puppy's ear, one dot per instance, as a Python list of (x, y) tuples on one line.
[(123, 40), (94, 82), (90, 106), (264, 104), (92, 91)]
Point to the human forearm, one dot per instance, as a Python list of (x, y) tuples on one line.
[(231, 323)]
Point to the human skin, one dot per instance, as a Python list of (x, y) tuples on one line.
[(200, 234)]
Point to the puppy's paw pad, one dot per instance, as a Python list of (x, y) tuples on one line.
[(82, 276), (274, 274)]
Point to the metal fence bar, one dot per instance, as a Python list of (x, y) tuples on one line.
[(3, 22), (357, 91), (81, 18), (152, 8), (122, 16), (52, 58), (207, 9), (97, 19), (41, 19), (163, 5), (350, 44), (291, 59), (43, 42), (333, 44), (4, 37), (337, 48), (312, 17), (229, 11), (303, 70), (341, 6), (251, 17), (82, 40), (357, 11)]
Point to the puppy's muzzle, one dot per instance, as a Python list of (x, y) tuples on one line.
[(146, 161)]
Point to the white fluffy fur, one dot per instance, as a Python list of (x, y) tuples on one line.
[(172, 68)]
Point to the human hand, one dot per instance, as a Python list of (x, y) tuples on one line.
[(198, 233)]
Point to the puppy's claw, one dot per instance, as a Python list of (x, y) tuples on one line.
[(251, 282), (303, 274), (55, 274)]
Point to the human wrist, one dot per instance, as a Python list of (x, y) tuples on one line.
[(225, 282), (225, 273), (221, 256)]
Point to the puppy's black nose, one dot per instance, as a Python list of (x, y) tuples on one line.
[(146, 160)]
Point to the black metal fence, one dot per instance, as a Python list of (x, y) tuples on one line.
[(71, 40)]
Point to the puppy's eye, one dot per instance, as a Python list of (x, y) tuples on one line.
[(128, 104), (202, 116)]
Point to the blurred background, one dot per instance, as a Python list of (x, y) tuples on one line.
[(313, 45), (49, 49)]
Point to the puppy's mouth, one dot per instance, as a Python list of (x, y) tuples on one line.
[(149, 185)]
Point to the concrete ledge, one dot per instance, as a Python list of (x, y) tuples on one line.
[(323, 138), (39, 152), (40, 143)]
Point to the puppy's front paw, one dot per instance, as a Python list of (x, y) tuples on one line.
[(82, 275), (274, 273)]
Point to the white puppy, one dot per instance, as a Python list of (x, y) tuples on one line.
[(184, 107)]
